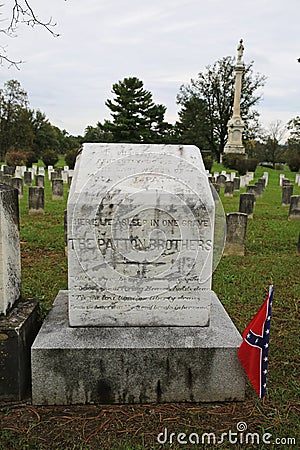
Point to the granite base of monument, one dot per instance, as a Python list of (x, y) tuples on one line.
[(18, 330), (111, 365)]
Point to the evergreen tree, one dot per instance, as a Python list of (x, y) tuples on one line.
[(193, 125), (136, 118)]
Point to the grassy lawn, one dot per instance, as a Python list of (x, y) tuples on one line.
[(241, 284)]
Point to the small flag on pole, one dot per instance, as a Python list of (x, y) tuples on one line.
[(254, 350)]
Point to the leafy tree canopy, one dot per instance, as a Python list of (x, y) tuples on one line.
[(214, 89), (23, 129)]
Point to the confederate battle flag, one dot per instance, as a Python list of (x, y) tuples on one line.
[(254, 350)]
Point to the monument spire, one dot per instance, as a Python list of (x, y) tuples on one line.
[(236, 124)]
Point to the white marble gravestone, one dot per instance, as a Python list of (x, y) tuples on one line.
[(140, 237), (139, 322), (10, 260)]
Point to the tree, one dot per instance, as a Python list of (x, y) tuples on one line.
[(193, 125), (97, 134), (215, 87), (15, 119), (136, 118), (45, 135), (293, 142), (22, 13), (273, 142)]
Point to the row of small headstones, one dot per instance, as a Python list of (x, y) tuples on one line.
[(36, 197), (247, 202), (288, 199), (236, 222), (20, 171), (9, 173)]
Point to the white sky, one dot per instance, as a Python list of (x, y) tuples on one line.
[(165, 43)]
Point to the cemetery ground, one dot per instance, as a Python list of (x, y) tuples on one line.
[(241, 284)]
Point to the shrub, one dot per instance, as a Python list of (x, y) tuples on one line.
[(230, 160), (239, 162), (16, 158), (252, 164), (70, 158), (241, 166), (49, 158), (31, 158), (294, 163)]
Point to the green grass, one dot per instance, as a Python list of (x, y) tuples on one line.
[(44, 264), (241, 284)]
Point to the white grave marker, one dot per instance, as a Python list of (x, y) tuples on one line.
[(140, 237)]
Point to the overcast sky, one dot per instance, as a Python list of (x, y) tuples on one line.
[(165, 43)]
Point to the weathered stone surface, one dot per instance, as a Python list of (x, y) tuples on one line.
[(36, 200), (247, 202), (17, 183), (221, 180), (54, 175), (135, 364), (59, 172), (28, 178), (7, 179), (236, 234), (140, 232), (57, 189), (228, 190), (8, 170), (251, 189), (40, 180), (236, 184), (294, 212), (10, 260), (17, 332), (259, 189), (287, 192)]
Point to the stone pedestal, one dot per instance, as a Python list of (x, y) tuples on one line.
[(17, 332), (81, 365)]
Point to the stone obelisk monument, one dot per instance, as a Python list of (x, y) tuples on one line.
[(236, 124)]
